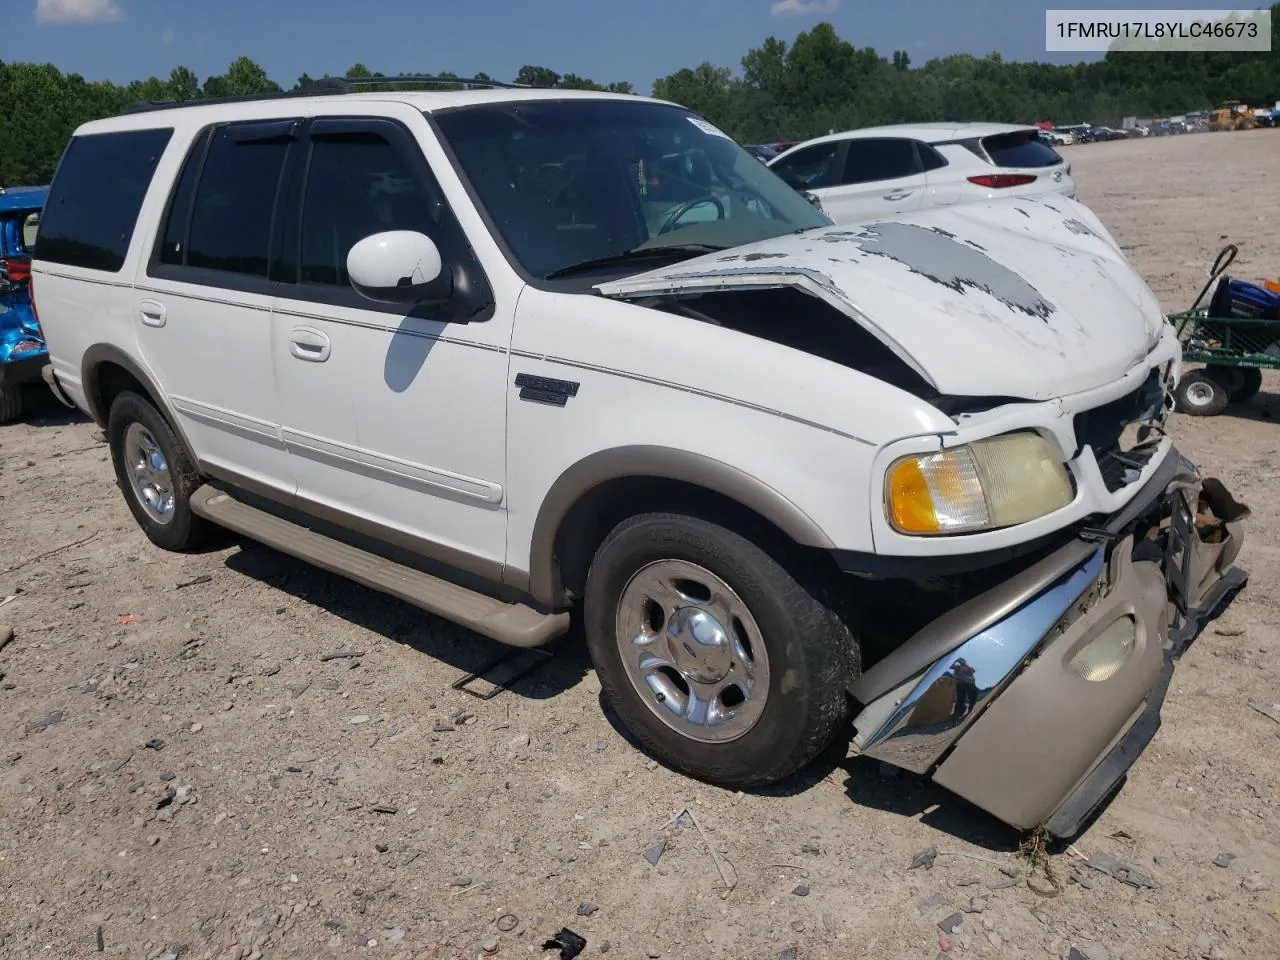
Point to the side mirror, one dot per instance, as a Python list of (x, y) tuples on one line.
[(398, 266)]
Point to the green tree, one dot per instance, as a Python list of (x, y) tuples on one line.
[(537, 77)]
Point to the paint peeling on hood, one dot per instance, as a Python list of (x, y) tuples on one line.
[(1022, 298)]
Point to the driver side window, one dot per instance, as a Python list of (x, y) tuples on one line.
[(811, 167), (357, 185)]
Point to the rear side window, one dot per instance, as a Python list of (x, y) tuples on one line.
[(874, 159), (96, 195), (234, 206), (1023, 148), (173, 241), (810, 167)]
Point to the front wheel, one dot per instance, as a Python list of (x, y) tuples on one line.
[(718, 660)]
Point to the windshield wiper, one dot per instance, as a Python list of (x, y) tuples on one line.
[(667, 252)]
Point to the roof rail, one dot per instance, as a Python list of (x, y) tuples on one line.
[(426, 79), (323, 87)]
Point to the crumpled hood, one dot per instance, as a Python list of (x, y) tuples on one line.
[(1027, 297)]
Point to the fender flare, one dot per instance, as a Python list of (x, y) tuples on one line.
[(91, 364), (667, 463)]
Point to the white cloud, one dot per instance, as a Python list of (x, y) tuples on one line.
[(166, 38), (803, 8), (78, 11)]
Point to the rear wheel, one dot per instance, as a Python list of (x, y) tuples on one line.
[(10, 403), (1199, 394), (155, 474), (715, 657)]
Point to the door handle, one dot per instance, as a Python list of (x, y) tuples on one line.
[(153, 314), (308, 343), (898, 195)]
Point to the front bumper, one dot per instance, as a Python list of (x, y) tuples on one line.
[(985, 700)]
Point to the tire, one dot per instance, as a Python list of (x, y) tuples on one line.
[(1248, 383), (155, 474), (787, 699), (10, 403), (1198, 394)]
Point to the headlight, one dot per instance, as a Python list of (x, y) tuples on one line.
[(991, 483)]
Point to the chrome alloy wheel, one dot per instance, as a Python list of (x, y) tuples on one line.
[(693, 651), (148, 473)]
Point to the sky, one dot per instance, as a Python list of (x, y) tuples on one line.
[(604, 40)]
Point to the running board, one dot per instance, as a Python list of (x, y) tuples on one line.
[(510, 623)]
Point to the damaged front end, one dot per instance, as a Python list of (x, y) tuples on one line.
[(1033, 699)]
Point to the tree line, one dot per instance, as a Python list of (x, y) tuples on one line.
[(818, 82)]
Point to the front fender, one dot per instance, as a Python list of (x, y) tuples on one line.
[(667, 463)]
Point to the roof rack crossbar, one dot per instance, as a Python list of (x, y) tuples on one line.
[(325, 86)]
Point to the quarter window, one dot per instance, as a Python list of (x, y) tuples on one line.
[(97, 192), (930, 159)]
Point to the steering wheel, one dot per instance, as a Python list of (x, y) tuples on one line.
[(672, 218)]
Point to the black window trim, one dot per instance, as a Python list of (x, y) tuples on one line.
[(151, 182), (289, 127), (286, 222)]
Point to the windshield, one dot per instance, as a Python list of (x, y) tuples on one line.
[(569, 182)]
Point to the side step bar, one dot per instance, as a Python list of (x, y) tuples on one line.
[(510, 623)]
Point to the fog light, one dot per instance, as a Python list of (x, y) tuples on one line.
[(1103, 656)]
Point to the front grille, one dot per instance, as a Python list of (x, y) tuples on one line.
[(1111, 432)]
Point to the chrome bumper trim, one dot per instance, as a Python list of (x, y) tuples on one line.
[(953, 692)]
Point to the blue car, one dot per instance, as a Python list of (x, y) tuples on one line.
[(22, 349)]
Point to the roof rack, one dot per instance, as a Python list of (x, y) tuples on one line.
[(326, 86)]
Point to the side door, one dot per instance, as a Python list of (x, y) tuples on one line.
[(203, 304), (813, 169), (394, 415), (881, 178)]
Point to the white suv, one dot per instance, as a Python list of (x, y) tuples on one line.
[(502, 353), (891, 170)]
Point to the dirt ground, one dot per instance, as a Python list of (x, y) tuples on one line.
[(183, 774)]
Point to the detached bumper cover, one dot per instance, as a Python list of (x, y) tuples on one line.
[(996, 712)]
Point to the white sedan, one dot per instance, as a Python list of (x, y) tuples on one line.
[(891, 170)]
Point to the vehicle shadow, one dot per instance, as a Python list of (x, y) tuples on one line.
[(1262, 408), (403, 623), (42, 409), (878, 787), (875, 786)]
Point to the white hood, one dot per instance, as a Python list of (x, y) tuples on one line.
[(1027, 297)]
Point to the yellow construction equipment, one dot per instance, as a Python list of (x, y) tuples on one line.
[(1232, 115)]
